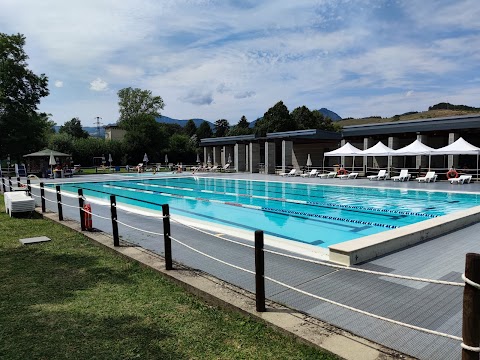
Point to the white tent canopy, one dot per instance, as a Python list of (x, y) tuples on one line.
[(459, 147), (346, 150), (415, 148), (378, 150)]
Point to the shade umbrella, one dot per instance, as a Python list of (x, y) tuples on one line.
[(309, 161), (198, 158), (208, 159), (52, 162), (229, 158), (166, 159), (110, 159)]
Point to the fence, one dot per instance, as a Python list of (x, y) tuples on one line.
[(254, 266)]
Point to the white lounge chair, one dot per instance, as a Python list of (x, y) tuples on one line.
[(312, 173), (429, 177), (18, 201), (291, 173), (404, 176), (331, 174), (352, 175), (462, 179), (382, 175)]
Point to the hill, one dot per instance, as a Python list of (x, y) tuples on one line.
[(182, 123), (434, 111)]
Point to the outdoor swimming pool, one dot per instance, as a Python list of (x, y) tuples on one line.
[(313, 214)]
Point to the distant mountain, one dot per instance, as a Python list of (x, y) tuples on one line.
[(182, 123), (92, 130), (329, 113)]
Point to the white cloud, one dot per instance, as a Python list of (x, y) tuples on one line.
[(409, 93), (58, 83), (98, 85)]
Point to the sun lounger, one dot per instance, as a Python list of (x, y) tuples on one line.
[(462, 179), (312, 173), (331, 174), (404, 176), (352, 175), (291, 173), (429, 177), (18, 201), (382, 175)]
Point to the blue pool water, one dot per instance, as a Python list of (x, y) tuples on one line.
[(308, 213)]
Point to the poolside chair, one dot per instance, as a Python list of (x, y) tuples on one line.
[(312, 173), (462, 179), (291, 173), (382, 175), (331, 175), (225, 167), (404, 176), (352, 175), (429, 177), (213, 168)]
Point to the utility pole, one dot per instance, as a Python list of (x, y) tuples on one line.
[(98, 123)]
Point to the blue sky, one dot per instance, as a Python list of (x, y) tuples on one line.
[(224, 59)]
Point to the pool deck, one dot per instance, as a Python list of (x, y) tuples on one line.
[(436, 307)]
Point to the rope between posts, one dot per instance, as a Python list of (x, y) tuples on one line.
[(470, 348), (212, 257), (207, 233), (52, 201), (71, 206), (91, 213), (470, 282), (441, 282), (433, 332), (37, 196), (135, 228)]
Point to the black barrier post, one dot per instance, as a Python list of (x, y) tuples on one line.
[(259, 272), (166, 237), (3, 185), (10, 183), (18, 181), (59, 203), (42, 196), (80, 205), (471, 307), (113, 211), (29, 188)]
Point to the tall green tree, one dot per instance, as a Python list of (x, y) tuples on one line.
[(242, 128), (190, 128), (21, 127), (276, 119), (204, 131), (136, 105), (74, 128), (221, 127)]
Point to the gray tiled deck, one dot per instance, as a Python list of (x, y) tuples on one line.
[(436, 307)]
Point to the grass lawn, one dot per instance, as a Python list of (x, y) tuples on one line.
[(70, 299)]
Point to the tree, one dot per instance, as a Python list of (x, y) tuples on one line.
[(137, 105), (74, 128), (181, 149), (21, 127), (204, 131), (243, 123), (276, 119), (242, 128), (190, 128), (221, 127)]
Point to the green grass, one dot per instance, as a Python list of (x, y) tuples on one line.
[(70, 299)]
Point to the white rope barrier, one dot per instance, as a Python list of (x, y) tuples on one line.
[(212, 257), (135, 228), (207, 233), (470, 282), (470, 348), (96, 215), (404, 277), (433, 332), (52, 201), (71, 206)]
